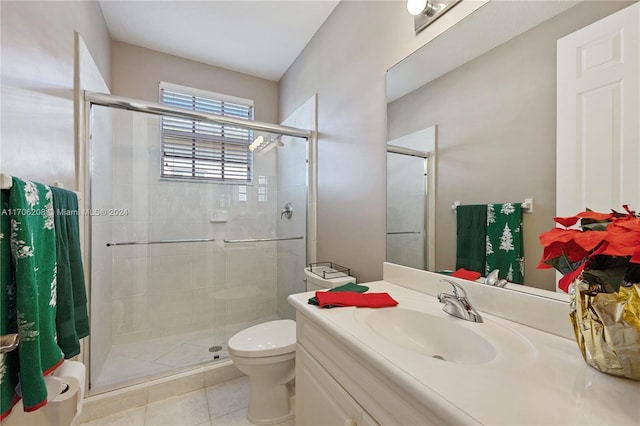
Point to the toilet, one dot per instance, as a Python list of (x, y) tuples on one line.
[(266, 353)]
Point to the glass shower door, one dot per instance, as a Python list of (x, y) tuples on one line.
[(406, 210), (171, 278)]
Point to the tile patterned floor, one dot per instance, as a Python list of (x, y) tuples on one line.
[(220, 405), (224, 404)]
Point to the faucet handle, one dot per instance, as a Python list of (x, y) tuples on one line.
[(456, 288), (460, 306)]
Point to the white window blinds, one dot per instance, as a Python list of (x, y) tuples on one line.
[(204, 150)]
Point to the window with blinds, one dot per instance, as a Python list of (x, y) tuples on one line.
[(203, 150)]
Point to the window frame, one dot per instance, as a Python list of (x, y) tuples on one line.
[(212, 151)]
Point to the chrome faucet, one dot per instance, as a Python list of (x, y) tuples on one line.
[(457, 304), (494, 280)]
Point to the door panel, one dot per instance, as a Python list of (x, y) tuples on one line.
[(598, 116)]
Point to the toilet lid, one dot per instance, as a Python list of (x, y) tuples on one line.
[(266, 339)]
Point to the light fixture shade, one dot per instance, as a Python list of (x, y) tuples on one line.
[(256, 143), (416, 7)]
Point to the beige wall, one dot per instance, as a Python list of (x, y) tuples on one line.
[(37, 53), (136, 73), (345, 64)]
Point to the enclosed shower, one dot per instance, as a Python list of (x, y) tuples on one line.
[(180, 263)]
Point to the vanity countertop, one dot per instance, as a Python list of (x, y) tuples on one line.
[(535, 377)]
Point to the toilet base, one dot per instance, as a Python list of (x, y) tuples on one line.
[(267, 407)]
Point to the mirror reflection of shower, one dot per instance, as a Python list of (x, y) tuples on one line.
[(411, 172)]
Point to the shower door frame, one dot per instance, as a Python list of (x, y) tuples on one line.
[(84, 168), (428, 200)]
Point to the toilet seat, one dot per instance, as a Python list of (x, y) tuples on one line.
[(266, 339)]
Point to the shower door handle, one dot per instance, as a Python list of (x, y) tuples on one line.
[(260, 240)]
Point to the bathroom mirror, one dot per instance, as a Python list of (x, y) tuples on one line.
[(493, 99)]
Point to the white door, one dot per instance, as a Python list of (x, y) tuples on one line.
[(598, 137)]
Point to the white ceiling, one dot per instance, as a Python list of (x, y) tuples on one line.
[(260, 38)]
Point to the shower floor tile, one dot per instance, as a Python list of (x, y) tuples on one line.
[(130, 362)]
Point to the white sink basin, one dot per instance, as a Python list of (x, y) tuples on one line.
[(430, 335)]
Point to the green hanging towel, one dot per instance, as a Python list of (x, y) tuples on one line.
[(9, 360), (471, 237), (33, 249), (505, 248), (72, 320)]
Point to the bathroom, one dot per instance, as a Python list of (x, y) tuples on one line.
[(343, 67)]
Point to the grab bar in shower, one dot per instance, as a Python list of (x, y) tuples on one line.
[(405, 232), (131, 243), (259, 240)]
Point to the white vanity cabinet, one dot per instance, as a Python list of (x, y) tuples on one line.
[(371, 366), (335, 387), (320, 400)]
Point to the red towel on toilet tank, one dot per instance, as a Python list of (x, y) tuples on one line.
[(351, 298)]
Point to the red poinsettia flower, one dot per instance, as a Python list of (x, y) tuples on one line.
[(567, 279), (595, 215), (608, 241), (621, 243), (566, 221), (570, 250), (627, 223)]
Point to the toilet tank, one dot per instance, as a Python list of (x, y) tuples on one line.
[(326, 275)]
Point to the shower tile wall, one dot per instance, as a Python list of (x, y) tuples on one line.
[(167, 289)]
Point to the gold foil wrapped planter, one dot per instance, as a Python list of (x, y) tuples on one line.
[(607, 327)]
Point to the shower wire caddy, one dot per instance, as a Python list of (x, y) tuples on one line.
[(328, 270)]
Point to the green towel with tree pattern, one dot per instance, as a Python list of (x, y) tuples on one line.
[(33, 250), (505, 246), (8, 325)]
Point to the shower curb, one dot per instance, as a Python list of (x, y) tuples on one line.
[(139, 395)]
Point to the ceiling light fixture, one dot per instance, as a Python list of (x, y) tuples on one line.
[(427, 11), (418, 7), (256, 143)]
